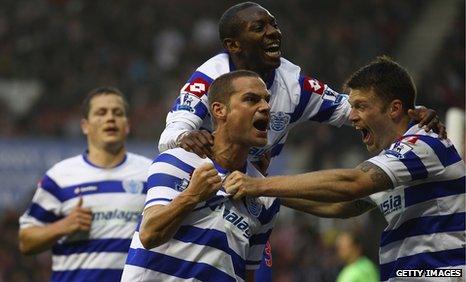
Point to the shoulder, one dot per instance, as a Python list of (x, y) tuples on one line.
[(181, 158), (288, 71), (215, 66), (66, 166), (138, 159)]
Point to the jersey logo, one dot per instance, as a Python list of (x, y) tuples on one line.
[(80, 190), (186, 104), (398, 150), (197, 87), (182, 185), (133, 186), (279, 121), (254, 208), (314, 86)]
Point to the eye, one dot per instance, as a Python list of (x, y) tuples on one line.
[(119, 112), (258, 27)]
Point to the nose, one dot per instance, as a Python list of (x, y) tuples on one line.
[(264, 107), (273, 32), (353, 116)]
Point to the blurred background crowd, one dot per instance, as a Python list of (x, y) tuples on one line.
[(52, 52)]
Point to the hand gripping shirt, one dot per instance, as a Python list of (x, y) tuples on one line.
[(426, 209), (218, 241), (294, 98), (116, 199)]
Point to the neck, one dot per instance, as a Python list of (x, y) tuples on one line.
[(227, 154), (392, 133), (106, 158), (243, 64), (354, 257)]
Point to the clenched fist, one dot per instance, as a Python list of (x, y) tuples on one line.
[(239, 185), (204, 183), (79, 220)]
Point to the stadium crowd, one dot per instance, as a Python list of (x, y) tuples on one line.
[(148, 48)]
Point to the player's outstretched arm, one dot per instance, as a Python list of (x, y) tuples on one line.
[(160, 223), (329, 210), (335, 185), (36, 239)]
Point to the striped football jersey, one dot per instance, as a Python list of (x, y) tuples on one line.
[(425, 210), (294, 98), (218, 241)]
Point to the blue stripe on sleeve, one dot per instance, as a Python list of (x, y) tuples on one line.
[(212, 238), (41, 214), (88, 275), (303, 101), (432, 190), (162, 179), (90, 246), (414, 165), (201, 110), (198, 74), (430, 260), (175, 267), (170, 159), (51, 186), (326, 110), (446, 155), (260, 239), (156, 200), (423, 226)]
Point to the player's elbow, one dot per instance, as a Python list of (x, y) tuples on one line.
[(151, 240), (24, 245)]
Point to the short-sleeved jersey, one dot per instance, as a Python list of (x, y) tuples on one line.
[(425, 211), (116, 199), (217, 241), (294, 98)]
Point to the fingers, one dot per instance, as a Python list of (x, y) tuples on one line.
[(199, 142), (80, 201)]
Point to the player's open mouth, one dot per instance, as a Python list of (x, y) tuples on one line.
[(261, 125), (273, 50), (111, 130), (366, 135)]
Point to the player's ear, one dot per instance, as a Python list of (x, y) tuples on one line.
[(396, 109), (231, 45), (218, 110), (84, 126)]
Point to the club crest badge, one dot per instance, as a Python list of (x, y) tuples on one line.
[(133, 186), (279, 121), (181, 186), (253, 206)]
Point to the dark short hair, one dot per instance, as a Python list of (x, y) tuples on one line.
[(229, 23), (222, 87), (387, 79), (104, 90)]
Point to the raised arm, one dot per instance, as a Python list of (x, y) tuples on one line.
[(336, 185), (329, 210)]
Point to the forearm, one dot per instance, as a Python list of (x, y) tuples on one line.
[(337, 185), (169, 137), (328, 210), (160, 223), (36, 239)]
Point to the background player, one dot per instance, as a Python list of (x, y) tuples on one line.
[(86, 207)]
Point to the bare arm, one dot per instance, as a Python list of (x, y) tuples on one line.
[(329, 210), (160, 223), (336, 185), (36, 239)]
